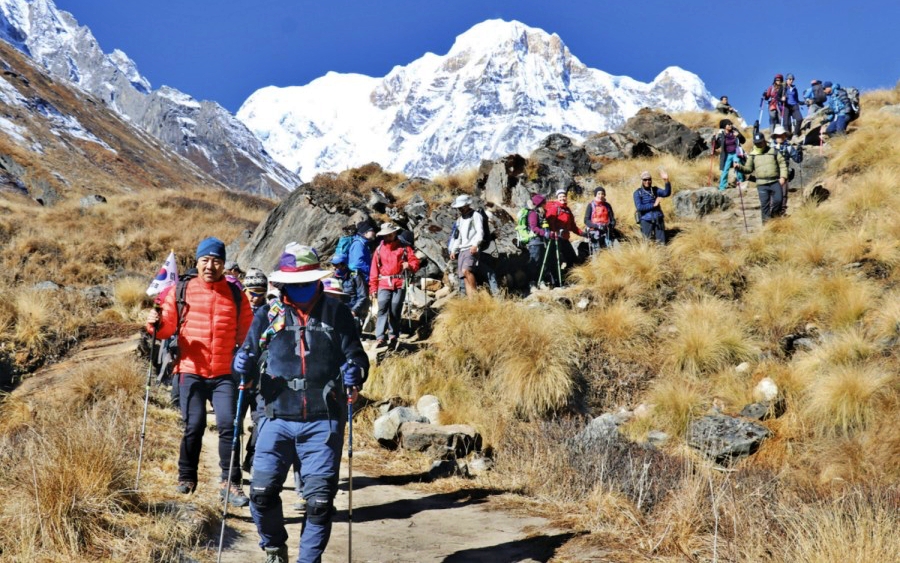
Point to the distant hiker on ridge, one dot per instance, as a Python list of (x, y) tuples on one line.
[(792, 118), (774, 94), (214, 320), (725, 108)]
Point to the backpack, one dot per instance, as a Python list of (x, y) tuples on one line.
[(488, 236), (808, 94), (407, 238), (523, 233), (342, 250), (853, 97)]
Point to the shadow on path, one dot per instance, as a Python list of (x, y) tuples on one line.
[(538, 548), (405, 508)]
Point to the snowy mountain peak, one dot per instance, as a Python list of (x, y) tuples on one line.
[(501, 88)]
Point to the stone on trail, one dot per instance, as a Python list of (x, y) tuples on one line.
[(725, 438), (455, 440), (386, 428)]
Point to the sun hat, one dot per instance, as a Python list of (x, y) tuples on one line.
[(827, 84), (333, 286), (255, 278), (779, 130), (779, 77), (462, 201), (387, 228), (645, 175), (298, 264), (211, 247)]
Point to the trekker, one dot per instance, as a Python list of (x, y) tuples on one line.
[(233, 273), (599, 220), (537, 244), (562, 223), (392, 261), (314, 359), (775, 94), (791, 106), (728, 144), (725, 108), (771, 173), (815, 97), (255, 285), (213, 323), (789, 152), (839, 104), (647, 199), (359, 263), (464, 246)]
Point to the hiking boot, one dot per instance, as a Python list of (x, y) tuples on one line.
[(300, 505), (186, 487), (380, 343), (277, 554), (236, 495)]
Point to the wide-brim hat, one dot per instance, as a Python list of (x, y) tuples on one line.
[(779, 130), (298, 264), (461, 201), (333, 286), (387, 228)]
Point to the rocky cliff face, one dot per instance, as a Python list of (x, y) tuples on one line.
[(203, 132), (501, 88)]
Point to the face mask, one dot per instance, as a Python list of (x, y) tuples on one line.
[(301, 293)]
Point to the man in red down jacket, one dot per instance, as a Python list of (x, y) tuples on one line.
[(392, 261), (215, 321)]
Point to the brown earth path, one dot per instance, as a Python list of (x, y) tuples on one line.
[(395, 523)]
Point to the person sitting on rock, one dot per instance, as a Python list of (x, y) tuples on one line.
[(724, 107), (839, 104), (728, 144)]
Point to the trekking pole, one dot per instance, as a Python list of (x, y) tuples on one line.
[(544, 263), (137, 479), (744, 213), (558, 265), (350, 475), (712, 153), (234, 440)]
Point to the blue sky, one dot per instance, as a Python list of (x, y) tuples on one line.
[(224, 50)]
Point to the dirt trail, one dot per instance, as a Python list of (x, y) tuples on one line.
[(394, 523)]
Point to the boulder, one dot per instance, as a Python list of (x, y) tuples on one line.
[(455, 440), (890, 110), (91, 200), (726, 439), (442, 469), (665, 134), (616, 146), (386, 428), (604, 428), (497, 178), (429, 406), (558, 151), (694, 204)]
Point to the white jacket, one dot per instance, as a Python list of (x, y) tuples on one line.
[(469, 232)]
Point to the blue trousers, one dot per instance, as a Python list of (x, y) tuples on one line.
[(838, 126), (729, 162), (317, 445)]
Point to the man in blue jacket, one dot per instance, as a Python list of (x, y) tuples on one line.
[(359, 263), (647, 201), (314, 360), (839, 104)]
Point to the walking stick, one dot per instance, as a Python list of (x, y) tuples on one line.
[(744, 213), (234, 440), (350, 475), (558, 265), (712, 153), (544, 263), (137, 479)]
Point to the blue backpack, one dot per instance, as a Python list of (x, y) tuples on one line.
[(342, 250)]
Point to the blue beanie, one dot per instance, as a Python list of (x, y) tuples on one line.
[(211, 247)]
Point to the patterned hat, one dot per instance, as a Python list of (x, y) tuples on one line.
[(333, 286), (298, 264), (255, 278)]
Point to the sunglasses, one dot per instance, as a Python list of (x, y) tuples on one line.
[(255, 293), (647, 180)]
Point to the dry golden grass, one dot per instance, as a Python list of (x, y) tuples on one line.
[(706, 338), (845, 399), (676, 401), (699, 119), (618, 324), (872, 144), (633, 270), (702, 260), (130, 297)]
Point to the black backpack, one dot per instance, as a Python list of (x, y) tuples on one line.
[(488, 236)]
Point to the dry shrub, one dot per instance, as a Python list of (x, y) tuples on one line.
[(884, 323), (872, 144), (706, 338), (632, 271), (699, 119), (700, 258), (33, 313), (846, 398), (776, 300), (92, 382), (618, 324), (860, 525), (675, 402), (130, 297)]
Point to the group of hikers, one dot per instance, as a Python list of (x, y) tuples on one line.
[(287, 346)]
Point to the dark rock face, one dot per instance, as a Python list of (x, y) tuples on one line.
[(615, 146), (558, 151), (697, 203), (664, 133), (724, 438)]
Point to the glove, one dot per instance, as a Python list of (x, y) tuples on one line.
[(546, 233), (242, 362), (352, 375)]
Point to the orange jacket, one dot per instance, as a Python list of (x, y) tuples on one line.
[(387, 266), (211, 329)]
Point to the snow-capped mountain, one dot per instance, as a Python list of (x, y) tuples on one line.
[(501, 88), (202, 131)]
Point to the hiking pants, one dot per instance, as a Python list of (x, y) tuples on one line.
[(567, 253), (536, 248), (654, 230), (838, 126), (792, 113), (359, 301), (770, 200), (317, 445), (730, 159), (774, 119), (390, 309), (486, 271), (195, 393), (249, 403)]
